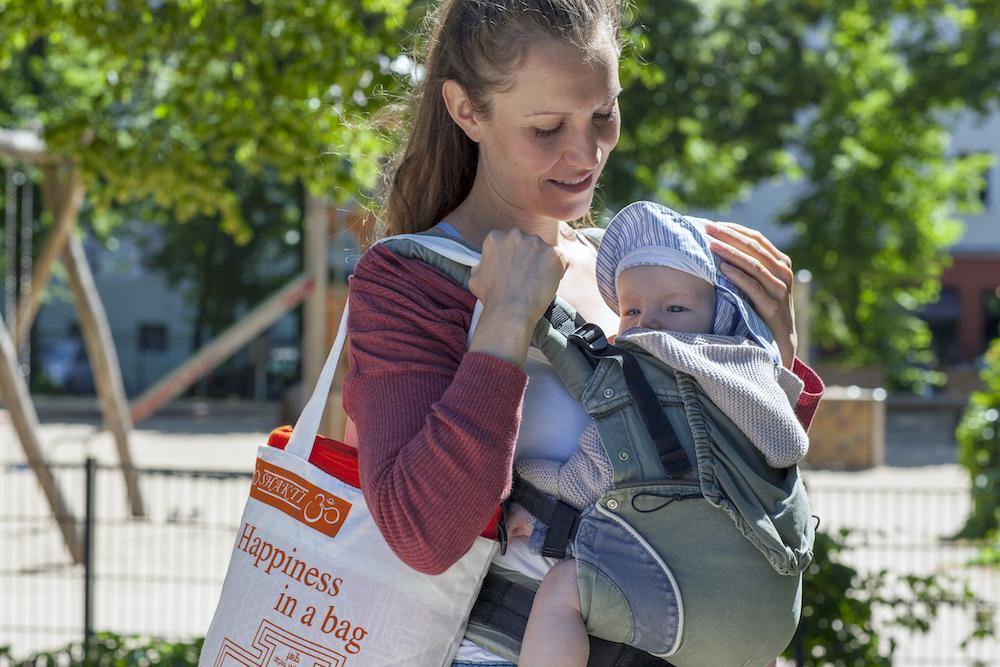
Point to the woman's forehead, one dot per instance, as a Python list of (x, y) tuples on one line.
[(555, 78)]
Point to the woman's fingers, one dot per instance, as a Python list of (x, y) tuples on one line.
[(764, 302), (765, 274), (753, 244), (721, 229)]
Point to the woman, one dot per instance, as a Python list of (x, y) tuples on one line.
[(514, 122)]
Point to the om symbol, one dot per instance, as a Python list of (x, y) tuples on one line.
[(321, 507)]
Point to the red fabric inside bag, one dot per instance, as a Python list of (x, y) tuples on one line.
[(341, 461)]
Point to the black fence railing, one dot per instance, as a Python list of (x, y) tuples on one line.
[(157, 575), (160, 575), (901, 521)]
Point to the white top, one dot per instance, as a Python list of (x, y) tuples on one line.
[(552, 422)]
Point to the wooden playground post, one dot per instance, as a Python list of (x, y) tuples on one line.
[(104, 362), (64, 201), (221, 347), (14, 392), (314, 248)]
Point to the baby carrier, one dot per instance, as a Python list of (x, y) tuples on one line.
[(729, 535)]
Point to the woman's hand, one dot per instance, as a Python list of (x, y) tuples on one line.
[(765, 274), (516, 281), (519, 274)]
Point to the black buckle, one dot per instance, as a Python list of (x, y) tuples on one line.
[(562, 524), (590, 337)]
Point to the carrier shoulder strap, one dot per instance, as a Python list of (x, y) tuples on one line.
[(591, 340)]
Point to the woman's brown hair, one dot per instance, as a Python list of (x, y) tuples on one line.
[(479, 44)]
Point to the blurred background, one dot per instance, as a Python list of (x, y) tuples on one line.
[(187, 185)]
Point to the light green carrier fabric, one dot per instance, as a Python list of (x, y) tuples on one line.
[(734, 536)]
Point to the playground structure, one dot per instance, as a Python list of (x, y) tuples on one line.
[(24, 153)]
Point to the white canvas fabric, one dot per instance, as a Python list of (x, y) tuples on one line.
[(312, 582)]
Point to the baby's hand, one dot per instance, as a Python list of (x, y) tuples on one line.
[(520, 522)]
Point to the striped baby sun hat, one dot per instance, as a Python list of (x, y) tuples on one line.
[(649, 234)]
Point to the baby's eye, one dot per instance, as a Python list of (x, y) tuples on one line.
[(630, 312), (676, 309)]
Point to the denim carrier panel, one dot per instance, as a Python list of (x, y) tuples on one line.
[(733, 535)]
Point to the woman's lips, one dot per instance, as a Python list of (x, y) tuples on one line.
[(582, 186)]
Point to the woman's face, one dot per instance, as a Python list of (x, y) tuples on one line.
[(549, 135)]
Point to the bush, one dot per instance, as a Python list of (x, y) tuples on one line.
[(113, 650), (839, 606), (978, 437)]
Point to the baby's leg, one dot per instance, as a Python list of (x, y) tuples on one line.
[(556, 635)]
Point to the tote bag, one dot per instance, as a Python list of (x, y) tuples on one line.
[(312, 582)]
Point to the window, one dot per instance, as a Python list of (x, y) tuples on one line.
[(984, 192), (942, 318), (991, 316), (152, 337)]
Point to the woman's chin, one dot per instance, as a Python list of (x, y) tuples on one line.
[(570, 210)]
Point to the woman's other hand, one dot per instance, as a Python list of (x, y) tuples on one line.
[(516, 281), (765, 274)]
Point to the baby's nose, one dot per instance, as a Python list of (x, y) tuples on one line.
[(651, 321)]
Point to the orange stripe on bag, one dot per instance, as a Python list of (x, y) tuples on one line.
[(298, 498)]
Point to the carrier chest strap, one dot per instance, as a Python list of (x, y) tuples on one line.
[(562, 519), (595, 345)]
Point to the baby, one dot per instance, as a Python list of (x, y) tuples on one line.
[(655, 270)]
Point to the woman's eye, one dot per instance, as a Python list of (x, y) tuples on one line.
[(539, 132), (606, 117)]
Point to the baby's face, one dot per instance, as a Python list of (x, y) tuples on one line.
[(659, 297)]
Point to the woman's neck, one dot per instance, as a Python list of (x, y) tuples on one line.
[(484, 211)]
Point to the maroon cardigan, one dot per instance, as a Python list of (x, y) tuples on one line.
[(436, 425)]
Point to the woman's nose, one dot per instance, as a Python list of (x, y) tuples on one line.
[(585, 151)]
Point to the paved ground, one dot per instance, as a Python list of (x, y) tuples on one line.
[(162, 574)]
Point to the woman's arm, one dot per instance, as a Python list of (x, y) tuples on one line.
[(437, 422), (436, 426)]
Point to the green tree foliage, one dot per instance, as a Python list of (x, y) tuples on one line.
[(159, 98), (848, 98), (156, 98), (190, 255), (979, 450)]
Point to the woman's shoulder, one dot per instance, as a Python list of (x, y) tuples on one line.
[(382, 274), (403, 309)]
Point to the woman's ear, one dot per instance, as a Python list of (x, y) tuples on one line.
[(460, 109)]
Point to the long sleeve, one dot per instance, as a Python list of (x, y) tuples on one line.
[(812, 392), (436, 425)]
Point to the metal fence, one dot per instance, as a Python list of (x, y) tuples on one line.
[(901, 521), (160, 575)]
